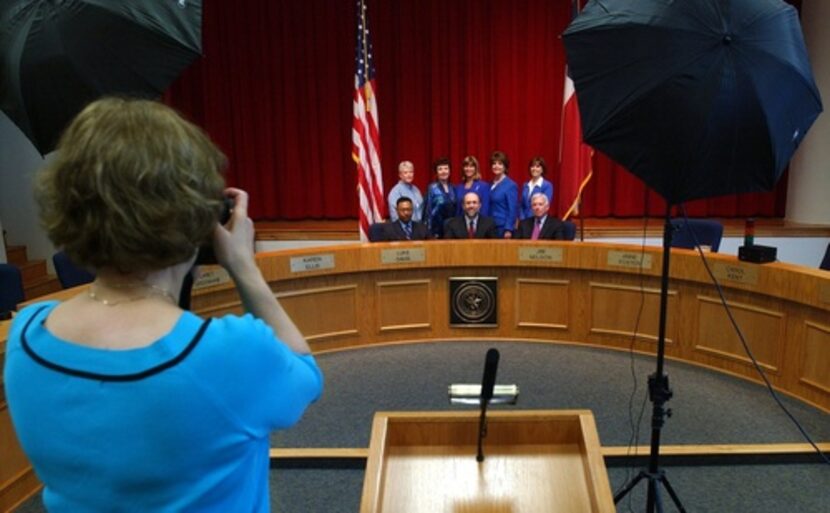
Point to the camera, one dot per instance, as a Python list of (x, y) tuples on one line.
[(206, 256)]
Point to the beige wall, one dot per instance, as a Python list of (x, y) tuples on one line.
[(809, 185), (19, 160)]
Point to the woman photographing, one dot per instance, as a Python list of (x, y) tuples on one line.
[(119, 398)]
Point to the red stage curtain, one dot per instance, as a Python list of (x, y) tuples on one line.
[(274, 90)]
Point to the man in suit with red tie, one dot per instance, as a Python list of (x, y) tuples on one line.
[(404, 228), (471, 225), (541, 225)]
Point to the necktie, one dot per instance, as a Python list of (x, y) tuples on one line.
[(537, 227), (471, 230), (407, 228)]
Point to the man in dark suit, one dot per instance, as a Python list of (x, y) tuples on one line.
[(404, 228), (471, 225), (541, 225)]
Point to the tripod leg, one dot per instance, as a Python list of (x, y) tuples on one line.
[(657, 500), (653, 496), (672, 494), (631, 484)]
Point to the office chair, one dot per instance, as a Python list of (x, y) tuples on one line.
[(11, 289), (376, 232), (69, 274), (825, 264), (707, 232), (569, 229)]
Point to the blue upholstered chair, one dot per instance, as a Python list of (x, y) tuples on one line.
[(569, 229), (11, 289), (69, 274), (825, 264), (376, 232), (706, 232)]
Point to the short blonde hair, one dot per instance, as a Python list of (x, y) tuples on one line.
[(133, 187), (406, 164)]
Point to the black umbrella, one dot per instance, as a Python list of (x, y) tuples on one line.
[(58, 55), (698, 98)]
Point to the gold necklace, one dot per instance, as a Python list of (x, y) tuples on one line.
[(150, 291)]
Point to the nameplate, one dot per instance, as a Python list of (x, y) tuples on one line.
[(629, 259), (824, 292), (312, 263), (211, 277), (746, 274), (402, 256), (536, 254)]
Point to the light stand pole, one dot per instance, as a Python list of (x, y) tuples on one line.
[(659, 393)]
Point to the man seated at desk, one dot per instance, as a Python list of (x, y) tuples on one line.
[(541, 226), (471, 225), (404, 228)]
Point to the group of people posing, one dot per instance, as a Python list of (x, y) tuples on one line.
[(473, 208)]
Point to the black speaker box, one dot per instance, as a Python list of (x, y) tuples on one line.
[(757, 254)]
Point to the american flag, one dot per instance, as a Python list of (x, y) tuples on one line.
[(575, 168), (365, 131)]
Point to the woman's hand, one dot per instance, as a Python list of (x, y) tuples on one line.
[(234, 248), (233, 243)]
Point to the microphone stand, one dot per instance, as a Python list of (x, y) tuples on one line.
[(482, 429), (488, 383)]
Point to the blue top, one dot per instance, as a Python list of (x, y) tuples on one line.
[(479, 187), (504, 205), (439, 206), (546, 188), (400, 190), (179, 425)]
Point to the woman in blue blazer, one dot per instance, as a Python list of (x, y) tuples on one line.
[(471, 182), (537, 183), (504, 196)]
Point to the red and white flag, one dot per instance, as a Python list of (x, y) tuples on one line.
[(365, 131), (575, 168)]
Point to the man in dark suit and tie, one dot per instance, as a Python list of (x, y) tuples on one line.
[(404, 228), (471, 225), (541, 225)]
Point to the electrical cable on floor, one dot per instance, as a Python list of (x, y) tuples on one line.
[(744, 343), (635, 425)]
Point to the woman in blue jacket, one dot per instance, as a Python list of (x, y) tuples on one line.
[(471, 182), (441, 202), (537, 169), (504, 196)]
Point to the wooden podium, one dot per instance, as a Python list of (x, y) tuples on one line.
[(535, 461)]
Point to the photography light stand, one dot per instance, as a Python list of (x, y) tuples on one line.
[(659, 393)]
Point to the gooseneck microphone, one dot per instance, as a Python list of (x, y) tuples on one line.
[(488, 383)]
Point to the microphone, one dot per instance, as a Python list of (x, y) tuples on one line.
[(488, 383)]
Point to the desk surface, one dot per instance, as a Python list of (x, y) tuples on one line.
[(362, 294)]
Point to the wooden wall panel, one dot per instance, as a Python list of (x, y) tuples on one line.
[(815, 360), (323, 313), (404, 305), (615, 310), (543, 303), (764, 331)]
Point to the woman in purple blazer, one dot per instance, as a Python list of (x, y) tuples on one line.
[(471, 182), (537, 169)]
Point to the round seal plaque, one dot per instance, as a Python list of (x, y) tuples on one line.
[(473, 302)]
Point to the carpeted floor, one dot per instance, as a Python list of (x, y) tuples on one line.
[(708, 408)]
